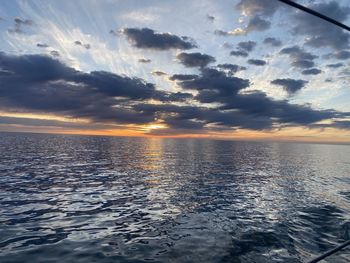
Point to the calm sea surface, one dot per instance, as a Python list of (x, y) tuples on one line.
[(103, 199)]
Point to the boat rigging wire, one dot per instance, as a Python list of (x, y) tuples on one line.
[(313, 12), (330, 252)]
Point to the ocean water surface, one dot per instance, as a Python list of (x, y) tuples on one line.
[(66, 198)]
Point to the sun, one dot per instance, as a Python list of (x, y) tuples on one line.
[(154, 126)]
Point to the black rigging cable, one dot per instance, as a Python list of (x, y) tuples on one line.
[(312, 12), (330, 252)]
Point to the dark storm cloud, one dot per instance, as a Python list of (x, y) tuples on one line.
[(290, 85), (303, 63), (38, 83), (296, 52), (342, 55), (144, 60), (42, 45), (247, 45), (273, 41), (259, 104), (178, 96), (311, 71), (195, 59), (217, 81), (320, 33), (196, 118), (299, 57), (19, 23), (253, 110), (148, 38), (336, 65), (239, 53), (182, 77), (256, 62)]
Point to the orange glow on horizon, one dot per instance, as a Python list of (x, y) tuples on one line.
[(326, 136), (149, 130)]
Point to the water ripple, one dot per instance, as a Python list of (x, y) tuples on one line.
[(78, 199)]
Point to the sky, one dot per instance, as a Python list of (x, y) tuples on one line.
[(238, 69)]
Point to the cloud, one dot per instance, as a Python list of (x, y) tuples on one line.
[(183, 77), (38, 83), (311, 71), (257, 23), (336, 65), (235, 32), (300, 58), (149, 39), (113, 32), (258, 11), (251, 110), (178, 96), (144, 60), (227, 45), (239, 53), (79, 43), (232, 68), (256, 62), (221, 32), (195, 59), (303, 63), (257, 7), (290, 85), (215, 80), (19, 23), (342, 55), (247, 45), (296, 52), (42, 45), (273, 42), (54, 53), (158, 73), (344, 125), (320, 33), (4, 120), (211, 18)]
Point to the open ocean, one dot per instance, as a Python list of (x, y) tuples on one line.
[(84, 199)]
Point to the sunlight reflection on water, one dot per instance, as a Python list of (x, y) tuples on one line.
[(81, 198)]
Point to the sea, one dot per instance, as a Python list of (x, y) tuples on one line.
[(71, 198)]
